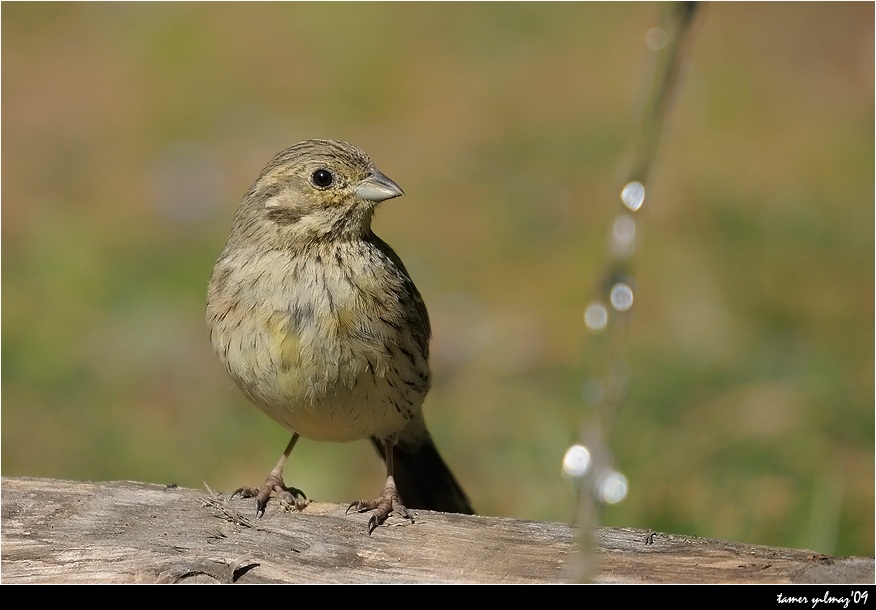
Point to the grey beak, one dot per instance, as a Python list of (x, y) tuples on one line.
[(377, 188)]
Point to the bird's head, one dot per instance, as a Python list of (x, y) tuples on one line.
[(317, 189)]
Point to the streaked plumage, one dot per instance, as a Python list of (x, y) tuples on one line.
[(318, 322)]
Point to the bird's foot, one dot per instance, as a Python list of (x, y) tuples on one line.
[(388, 503), (288, 496)]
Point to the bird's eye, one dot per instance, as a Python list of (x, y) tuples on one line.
[(322, 178)]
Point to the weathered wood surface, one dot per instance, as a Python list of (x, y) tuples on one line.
[(121, 532)]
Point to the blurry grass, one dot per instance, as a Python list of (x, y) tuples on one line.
[(130, 131)]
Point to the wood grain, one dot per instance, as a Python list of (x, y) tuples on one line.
[(57, 531)]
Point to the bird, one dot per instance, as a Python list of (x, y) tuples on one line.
[(318, 322)]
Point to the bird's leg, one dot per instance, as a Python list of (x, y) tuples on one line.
[(274, 483), (388, 502)]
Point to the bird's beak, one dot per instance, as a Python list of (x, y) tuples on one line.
[(377, 188)]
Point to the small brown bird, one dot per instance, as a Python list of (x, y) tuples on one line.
[(318, 322)]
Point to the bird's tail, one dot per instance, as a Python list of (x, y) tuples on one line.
[(422, 478)]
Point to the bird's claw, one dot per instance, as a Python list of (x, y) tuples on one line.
[(289, 496), (387, 504)]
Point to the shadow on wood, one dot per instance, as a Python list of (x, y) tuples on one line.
[(121, 532)]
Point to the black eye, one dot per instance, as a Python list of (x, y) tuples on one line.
[(322, 178)]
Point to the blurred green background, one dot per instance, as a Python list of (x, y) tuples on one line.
[(130, 132)]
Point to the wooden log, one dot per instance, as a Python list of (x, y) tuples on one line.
[(57, 531)]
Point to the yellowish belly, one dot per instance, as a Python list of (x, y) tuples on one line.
[(321, 384)]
